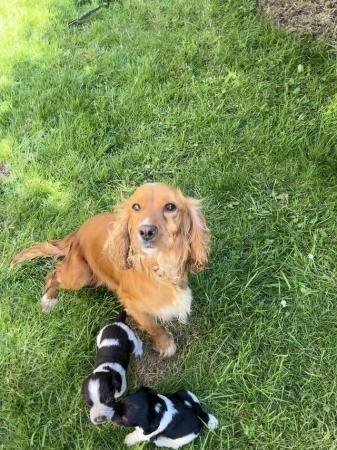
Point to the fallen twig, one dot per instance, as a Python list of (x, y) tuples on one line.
[(79, 20)]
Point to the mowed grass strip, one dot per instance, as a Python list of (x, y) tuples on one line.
[(207, 96)]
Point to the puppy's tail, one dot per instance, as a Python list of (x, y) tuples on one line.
[(193, 401), (55, 249), (208, 419), (121, 317)]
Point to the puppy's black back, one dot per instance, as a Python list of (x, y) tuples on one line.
[(119, 353), (187, 420), (185, 396)]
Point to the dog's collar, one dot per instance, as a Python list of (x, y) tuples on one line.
[(108, 367)]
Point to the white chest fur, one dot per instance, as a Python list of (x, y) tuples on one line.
[(179, 309)]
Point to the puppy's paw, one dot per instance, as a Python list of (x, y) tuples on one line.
[(212, 422), (47, 304), (138, 350), (133, 438)]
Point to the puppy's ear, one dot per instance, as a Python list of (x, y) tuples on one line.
[(197, 234), (118, 242), (119, 418), (115, 385), (147, 390)]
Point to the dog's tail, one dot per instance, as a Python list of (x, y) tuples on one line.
[(208, 419), (55, 249), (193, 401), (121, 317)]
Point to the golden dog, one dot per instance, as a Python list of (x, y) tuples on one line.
[(143, 252)]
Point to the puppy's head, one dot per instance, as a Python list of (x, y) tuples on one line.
[(99, 391), (138, 409), (159, 218)]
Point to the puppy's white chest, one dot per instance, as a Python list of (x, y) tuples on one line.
[(179, 309)]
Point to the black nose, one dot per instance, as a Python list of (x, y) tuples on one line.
[(100, 419), (148, 232)]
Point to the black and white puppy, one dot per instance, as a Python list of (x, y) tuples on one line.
[(168, 421), (115, 343)]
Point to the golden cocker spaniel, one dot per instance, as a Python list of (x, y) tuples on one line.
[(143, 252)]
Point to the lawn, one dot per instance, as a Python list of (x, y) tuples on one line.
[(209, 96)]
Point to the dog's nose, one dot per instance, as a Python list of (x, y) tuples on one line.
[(148, 232), (100, 419)]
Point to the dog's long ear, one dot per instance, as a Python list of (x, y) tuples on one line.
[(118, 242), (147, 390), (120, 418), (197, 234)]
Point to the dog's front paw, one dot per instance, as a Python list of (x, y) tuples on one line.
[(128, 441), (134, 437), (165, 345), (170, 350)]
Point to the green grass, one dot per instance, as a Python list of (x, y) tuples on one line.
[(210, 97)]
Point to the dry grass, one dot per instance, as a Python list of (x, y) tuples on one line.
[(150, 369), (4, 170), (305, 16)]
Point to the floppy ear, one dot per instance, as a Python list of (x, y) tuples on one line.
[(118, 242), (147, 389), (197, 234)]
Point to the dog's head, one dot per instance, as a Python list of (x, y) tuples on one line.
[(99, 391), (159, 219), (139, 409)]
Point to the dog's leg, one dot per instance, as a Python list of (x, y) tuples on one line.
[(49, 298), (135, 437), (162, 339), (163, 441), (72, 273)]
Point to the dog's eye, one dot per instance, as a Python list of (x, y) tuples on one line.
[(136, 207), (170, 207)]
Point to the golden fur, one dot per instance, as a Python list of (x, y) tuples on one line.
[(150, 278)]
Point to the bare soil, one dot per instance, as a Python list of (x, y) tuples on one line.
[(318, 17), (4, 170)]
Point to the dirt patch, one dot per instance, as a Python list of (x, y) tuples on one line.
[(4, 170), (151, 368), (317, 17)]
